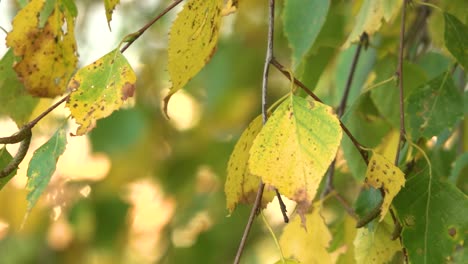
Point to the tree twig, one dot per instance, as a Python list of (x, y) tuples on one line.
[(341, 109), (356, 143), (142, 30), (400, 82), (261, 187)]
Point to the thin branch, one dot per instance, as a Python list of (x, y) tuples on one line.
[(400, 82), (349, 81), (142, 30), (341, 109), (356, 143), (23, 149), (349, 209), (261, 187)]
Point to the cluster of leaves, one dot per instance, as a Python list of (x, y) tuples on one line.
[(294, 149)]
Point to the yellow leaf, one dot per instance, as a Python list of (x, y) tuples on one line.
[(374, 244), (381, 173), (370, 16), (388, 143), (295, 148), (99, 89), (241, 186), (48, 54), (310, 244), (192, 43), (110, 6)]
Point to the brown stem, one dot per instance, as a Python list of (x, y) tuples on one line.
[(341, 109), (400, 82), (261, 186), (23, 149), (142, 30), (356, 143)]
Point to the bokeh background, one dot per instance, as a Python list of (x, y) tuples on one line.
[(143, 189)]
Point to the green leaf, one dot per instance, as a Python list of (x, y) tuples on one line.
[(110, 6), (433, 213), (433, 107), (303, 21), (5, 159), (16, 103), (456, 39), (386, 97), (432, 63), (373, 244), (99, 89), (43, 165), (241, 186), (295, 148)]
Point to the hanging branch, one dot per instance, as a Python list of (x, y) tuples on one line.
[(364, 39), (133, 37), (400, 82), (261, 187)]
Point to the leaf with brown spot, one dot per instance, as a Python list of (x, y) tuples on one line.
[(381, 173), (48, 54), (99, 89), (295, 148)]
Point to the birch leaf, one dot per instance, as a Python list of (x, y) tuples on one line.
[(192, 42), (110, 6), (241, 186), (303, 21), (374, 244), (309, 244), (295, 148), (456, 39), (48, 54), (434, 107), (99, 89), (381, 173), (43, 165)]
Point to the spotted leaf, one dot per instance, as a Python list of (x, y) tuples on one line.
[(99, 89), (48, 54), (381, 173), (192, 42)]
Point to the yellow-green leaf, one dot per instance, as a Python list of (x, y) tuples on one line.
[(241, 186), (370, 16), (110, 6), (381, 173), (192, 42), (99, 89), (374, 244), (310, 244), (295, 148), (48, 54), (43, 165)]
